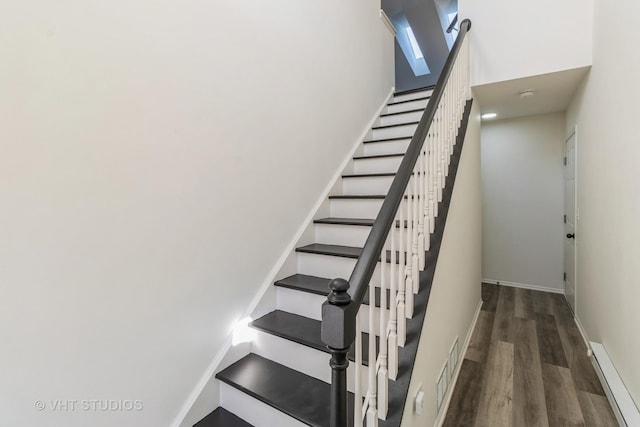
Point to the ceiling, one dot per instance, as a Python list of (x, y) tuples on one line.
[(552, 93)]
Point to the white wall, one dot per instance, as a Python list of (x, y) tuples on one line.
[(455, 293), (514, 39), (156, 159), (608, 149), (523, 200)]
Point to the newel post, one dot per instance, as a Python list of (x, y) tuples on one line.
[(338, 333)]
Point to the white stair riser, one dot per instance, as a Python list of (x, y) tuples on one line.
[(377, 165), (333, 267), (355, 208), (399, 118), (349, 235), (253, 410), (300, 303), (310, 305), (405, 106), (413, 95), (325, 266), (338, 267), (346, 235), (386, 147), (394, 132), (307, 360), (367, 185)]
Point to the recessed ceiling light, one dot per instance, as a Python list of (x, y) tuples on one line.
[(489, 116), (527, 93)]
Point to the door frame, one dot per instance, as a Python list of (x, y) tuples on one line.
[(572, 133)]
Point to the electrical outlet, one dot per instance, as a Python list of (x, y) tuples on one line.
[(419, 401), (453, 358)]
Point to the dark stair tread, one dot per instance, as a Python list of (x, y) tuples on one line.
[(298, 395), (374, 175), (367, 222), (368, 175), (306, 283), (409, 100), (337, 250), (395, 138), (334, 250), (320, 286), (302, 330), (358, 196), (418, 89), (394, 125), (402, 112), (362, 196), (378, 156), (222, 418)]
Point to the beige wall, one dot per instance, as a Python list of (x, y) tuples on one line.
[(455, 294), (523, 200), (608, 149), (156, 159), (515, 39)]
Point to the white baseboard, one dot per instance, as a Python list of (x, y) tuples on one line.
[(268, 282), (524, 286), (624, 408), (583, 333), (452, 385)]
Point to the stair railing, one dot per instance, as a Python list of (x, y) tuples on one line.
[(400, 236)]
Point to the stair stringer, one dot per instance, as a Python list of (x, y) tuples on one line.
[(205, 396), (401, 400), (455, 299)]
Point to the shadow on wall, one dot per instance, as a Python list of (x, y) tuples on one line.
[(418, 62)]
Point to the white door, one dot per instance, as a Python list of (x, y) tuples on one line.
[(570, 222)]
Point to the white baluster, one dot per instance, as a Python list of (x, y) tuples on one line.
[(383, 373), (427, 201), (393, 322), (357, 410), (440, 153), (467, 58), (445, 112), (450, 120), (372, 412), (401, 311), (414, 254), (406, 278), (433, 205), (421, 206)]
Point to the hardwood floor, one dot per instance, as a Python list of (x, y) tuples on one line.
[(527, 366)]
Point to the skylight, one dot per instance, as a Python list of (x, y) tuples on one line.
[(417, 53)]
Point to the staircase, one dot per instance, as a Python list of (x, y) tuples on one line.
[(289, 362), (285, 380)]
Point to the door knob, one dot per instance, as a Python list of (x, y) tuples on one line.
[(571, 236)]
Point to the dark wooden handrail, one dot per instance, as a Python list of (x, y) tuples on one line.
[(366, 264), (345, 298)]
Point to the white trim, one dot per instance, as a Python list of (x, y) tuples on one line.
[(524, 286), (583, 333), (454, 379), (576, 213), (268, 282), (623, 406), (387, 22)]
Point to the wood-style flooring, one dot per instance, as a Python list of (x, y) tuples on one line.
[(527, 366)]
